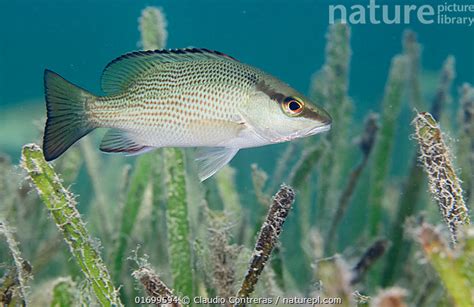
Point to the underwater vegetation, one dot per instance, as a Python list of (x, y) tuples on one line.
[(151, 232)]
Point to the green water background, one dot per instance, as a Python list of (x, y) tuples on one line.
[(284, 38)]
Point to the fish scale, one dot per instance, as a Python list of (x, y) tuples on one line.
[(179, 98), (167, 106)]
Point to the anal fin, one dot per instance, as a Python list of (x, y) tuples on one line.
[(211, 159), (120, 141)]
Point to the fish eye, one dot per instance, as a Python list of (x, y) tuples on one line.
[(292, 106)]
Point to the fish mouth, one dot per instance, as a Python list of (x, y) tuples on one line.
[(303, 133), (315, 130), (325, 123)]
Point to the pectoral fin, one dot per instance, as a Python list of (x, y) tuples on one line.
[(211, 159)]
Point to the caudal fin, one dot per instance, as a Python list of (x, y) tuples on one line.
[(67, 119)]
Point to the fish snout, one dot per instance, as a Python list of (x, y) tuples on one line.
[(318, 115), (325, 118), (323, 122)]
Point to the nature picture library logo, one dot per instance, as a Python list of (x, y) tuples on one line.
[(370, 12)]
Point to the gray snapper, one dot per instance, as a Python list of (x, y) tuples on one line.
[(179, 98)]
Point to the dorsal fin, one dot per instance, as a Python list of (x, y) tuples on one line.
[(121, 72)]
